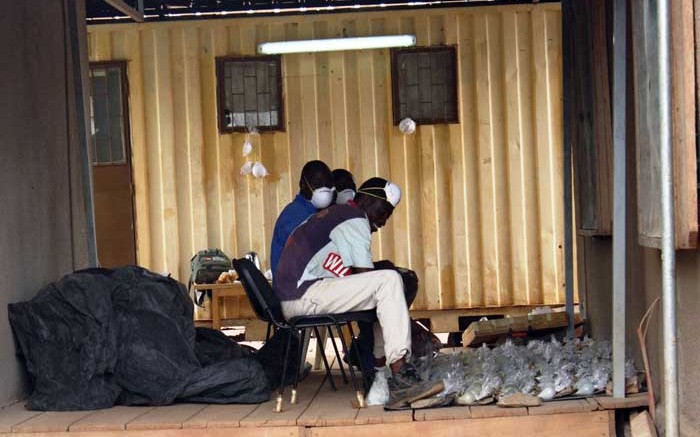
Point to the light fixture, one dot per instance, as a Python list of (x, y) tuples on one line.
[(335, 44)]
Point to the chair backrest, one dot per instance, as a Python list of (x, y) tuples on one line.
[(263, 299)]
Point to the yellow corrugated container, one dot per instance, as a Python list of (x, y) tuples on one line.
[(482, 217)]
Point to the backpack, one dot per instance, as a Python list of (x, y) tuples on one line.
[(207, 265)]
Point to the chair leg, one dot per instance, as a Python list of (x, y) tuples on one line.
[(300, 365), (358, 394), (319, 344), (356, 347), (337, 354), (280, 394)]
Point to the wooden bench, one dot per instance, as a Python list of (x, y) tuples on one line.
[(218, 292)]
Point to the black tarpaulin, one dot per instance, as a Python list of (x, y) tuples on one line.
[(101, 337)]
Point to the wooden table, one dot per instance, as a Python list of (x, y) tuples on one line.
[(219, 291)]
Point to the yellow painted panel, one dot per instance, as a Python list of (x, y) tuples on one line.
[(481, 220)]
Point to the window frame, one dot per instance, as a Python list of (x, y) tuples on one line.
[(126, 125), (452, 49), (221, 97)]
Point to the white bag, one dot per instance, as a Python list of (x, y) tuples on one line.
[(379, 392)]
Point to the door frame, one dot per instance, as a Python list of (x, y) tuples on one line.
[(122, 65)]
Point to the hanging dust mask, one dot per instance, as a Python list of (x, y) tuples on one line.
[(345, 196), (322, 197)]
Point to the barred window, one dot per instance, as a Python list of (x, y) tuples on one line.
[(250, 93), (424, 84), (108, 112)]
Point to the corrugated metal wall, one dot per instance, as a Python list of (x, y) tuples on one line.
[(481, 219)]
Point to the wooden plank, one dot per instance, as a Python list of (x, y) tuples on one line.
[(15, 414), (336, 95), (209, 432), (397, 164), (219, 416), (182, 153), (377, 414), (412, 187), (485, 411), (486, 171), (550, 176), (257, 213), (684, 124), (602, 117), (210, 44), (470, 165), (381, 86), (111, 419), (636, 400), (583, 424), (153, 162), (504, 291), (330, 408), (229, 289), (641, 425), (458, 240), (170, 417), (560, 407), (646, 124), (323, 105), (165, 118), (352, 105), (232, 202), (487, 330), (51, 421), (430, 220), (555, 294), (448, 413), (265, 416), (515, 165), (308, 102), (139, 150), (528, 147), (195, 139)]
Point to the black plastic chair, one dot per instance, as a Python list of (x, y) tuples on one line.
[(268, 308)]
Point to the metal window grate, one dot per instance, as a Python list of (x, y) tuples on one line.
[(424, 82), (250, 94), (107, 113)]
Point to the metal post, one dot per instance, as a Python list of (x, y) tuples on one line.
[(83, 141), (619, 194), (668, 250), (567, 34)]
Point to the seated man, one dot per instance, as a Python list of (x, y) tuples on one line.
[(344, 184), (326, 267), (315, 192)]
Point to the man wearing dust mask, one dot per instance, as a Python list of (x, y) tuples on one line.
[(327, 268), (316, 192), (344, 184)]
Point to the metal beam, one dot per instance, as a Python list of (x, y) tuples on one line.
[(619, 274), (567, 55), (126, 9), (74, 57), (668, 240)]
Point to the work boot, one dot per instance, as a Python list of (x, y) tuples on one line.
[(406, 387)]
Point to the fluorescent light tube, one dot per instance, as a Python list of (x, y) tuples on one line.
[(335, 44)]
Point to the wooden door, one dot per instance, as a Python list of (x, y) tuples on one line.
[(111, 165)]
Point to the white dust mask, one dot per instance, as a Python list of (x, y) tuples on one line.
[(322, 197), (345, 196)]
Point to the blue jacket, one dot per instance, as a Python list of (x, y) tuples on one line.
[(292, 216)]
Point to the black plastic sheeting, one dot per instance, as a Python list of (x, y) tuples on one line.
[(102, 337)]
